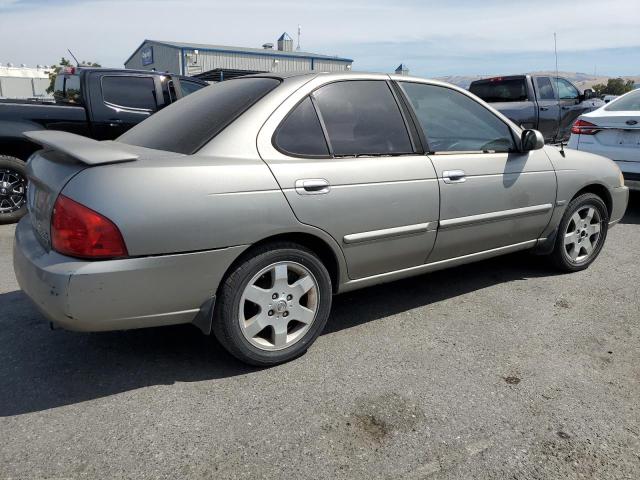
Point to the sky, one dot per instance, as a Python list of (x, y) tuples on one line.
[(456, 37)]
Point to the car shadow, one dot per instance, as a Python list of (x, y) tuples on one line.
[(42, 369)]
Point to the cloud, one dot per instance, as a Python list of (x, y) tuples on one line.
[(376, 33)]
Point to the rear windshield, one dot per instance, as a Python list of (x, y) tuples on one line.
[(628, 103), (67, 89), (187, 125), (500, 90)]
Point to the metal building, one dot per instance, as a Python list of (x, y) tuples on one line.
[(217, 62), (23, 81)]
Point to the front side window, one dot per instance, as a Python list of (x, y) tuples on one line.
[(301, 133), (545, 89), (567, 91), (454, 122), (362, 118), (129, 92)]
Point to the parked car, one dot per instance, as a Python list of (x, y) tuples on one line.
[(244, 207), (613, 131), (97, 103), (543, 102), (609, 98)]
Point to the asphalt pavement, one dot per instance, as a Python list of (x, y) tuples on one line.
[(497, 370)]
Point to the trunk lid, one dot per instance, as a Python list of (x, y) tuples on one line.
[(619, 129)]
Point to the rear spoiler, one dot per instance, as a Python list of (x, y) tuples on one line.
[(87, 150)]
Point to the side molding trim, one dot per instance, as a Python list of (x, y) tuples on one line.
[(494, 216), (389, 232)]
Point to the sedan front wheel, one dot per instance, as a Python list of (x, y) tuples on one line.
[(581, 233)]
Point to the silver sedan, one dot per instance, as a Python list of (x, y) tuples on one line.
[(243, 208)]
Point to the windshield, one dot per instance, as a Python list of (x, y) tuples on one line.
[(627, 103), (187, 125), (500, 90)]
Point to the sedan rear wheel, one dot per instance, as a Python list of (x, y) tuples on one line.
[(581, 233), (273, 305)]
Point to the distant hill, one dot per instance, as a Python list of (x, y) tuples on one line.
[(581, 80)]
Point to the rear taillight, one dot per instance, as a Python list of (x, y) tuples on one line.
[(78, 231), (582, 127)]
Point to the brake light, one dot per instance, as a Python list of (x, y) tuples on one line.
[(69, 70), (582, 127), (78, 231)]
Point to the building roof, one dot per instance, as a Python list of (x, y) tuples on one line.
[(230, 49), (285, 36)]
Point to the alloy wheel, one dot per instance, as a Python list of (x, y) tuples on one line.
[(583, 234), (13, 187), (278, 306)]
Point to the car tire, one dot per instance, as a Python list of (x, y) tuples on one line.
[(581, 233), (12, 170), (273, 304)]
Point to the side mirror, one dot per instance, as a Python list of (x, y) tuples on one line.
[(531, 140), (589, 94)]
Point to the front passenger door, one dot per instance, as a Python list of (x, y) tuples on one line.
[(491, 196)]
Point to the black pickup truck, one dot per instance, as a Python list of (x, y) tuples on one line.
[(546, 103), (94, 102)]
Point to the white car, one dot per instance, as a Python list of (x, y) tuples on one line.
[(613, 131)]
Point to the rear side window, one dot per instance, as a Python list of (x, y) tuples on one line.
[(301, 133), (545, 89), (362, 118), (454, 122), (628, 103), (187, 125), (129, 92), (500, 90)]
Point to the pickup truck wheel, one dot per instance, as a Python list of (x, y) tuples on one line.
[(13, 189), (273, 306), (581, 234)]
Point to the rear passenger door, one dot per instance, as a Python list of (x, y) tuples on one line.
[(491, 196), (346, 162), (118, 102)]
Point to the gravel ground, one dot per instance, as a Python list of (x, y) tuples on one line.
[(500, 369)]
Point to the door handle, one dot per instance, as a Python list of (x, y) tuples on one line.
[(454, 176), (544, 109), (566, 108), (312, 186)]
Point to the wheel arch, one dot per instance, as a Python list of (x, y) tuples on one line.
[(599, 190), (332, 259)]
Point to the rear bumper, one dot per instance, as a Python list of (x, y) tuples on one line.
[(117, 294)]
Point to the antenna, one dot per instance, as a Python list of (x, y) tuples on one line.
[(555, 50), (299, 30), (74, 57)]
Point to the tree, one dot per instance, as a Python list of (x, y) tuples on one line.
[(57, 68), (614, 86)]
